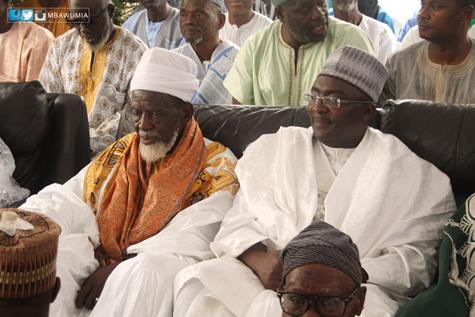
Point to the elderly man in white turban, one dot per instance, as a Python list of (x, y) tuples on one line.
[(363, 182), (137, 214)]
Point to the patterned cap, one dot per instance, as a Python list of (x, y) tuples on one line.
[(358, 68), (321, 243), (28, 249)]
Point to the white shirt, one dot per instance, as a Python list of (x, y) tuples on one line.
[(238, 35), (328, 163), (383, 39)]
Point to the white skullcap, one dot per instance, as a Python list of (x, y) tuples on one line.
[(167, 72)]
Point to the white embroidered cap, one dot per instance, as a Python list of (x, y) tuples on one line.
[(357, 67)]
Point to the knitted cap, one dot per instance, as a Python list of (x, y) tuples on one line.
[(28, 249), (321, 243), (358, 68)]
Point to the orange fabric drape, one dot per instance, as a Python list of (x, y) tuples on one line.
[(145, 197)]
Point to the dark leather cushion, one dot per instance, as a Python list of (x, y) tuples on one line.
[(24, 120), (23, 115), (68, 140), (442, 134)]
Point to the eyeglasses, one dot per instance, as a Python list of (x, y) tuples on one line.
[(296, 304), (331, 102), (93, 21)]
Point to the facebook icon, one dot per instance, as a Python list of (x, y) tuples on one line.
[(14, 15)]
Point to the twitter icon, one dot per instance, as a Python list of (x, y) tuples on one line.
[(27, 15)]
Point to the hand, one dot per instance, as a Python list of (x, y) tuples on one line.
[(93, 286), (265, 263)]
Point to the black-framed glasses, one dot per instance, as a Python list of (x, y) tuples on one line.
[(296, 304), (331, 102), (91, 23)]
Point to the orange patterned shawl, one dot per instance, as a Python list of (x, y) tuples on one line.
[(143, 198)]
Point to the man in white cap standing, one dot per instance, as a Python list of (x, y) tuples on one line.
[(137, 211), (365, 183)]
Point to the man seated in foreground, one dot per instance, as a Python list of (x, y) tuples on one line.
[(200, 22), (95, 60), (441, 68), (363, 182), (142, 195), (28, 249), (322, 274), (277, 66)]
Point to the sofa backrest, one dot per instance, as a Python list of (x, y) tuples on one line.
[(442, 134), (47, 134), (24, 123)]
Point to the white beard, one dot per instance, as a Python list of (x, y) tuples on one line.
[(154, 152)]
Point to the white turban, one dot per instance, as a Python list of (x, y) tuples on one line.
[(167, 72)]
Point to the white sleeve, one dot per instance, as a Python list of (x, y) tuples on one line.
[(65, 205)]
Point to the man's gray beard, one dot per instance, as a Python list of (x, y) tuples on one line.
[(153, 152), (102, 42)]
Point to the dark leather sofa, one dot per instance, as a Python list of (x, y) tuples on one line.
[(442, 134), (48, 134)]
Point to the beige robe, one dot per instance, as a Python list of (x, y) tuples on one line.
[(23, 49)]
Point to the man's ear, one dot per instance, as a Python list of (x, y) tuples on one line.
[(468, 12), (221, 20), (56, 288), (359, 300), (111, 10), (369, 112)]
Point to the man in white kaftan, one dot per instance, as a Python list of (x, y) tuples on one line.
[(370, 186), (212, 56), (157, 25), (144, 196), (242, 22), (382, 37), (96, 63)]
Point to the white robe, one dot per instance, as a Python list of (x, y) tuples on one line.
[(382, 37), (392, 203), (143, 285), (239, 35)]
